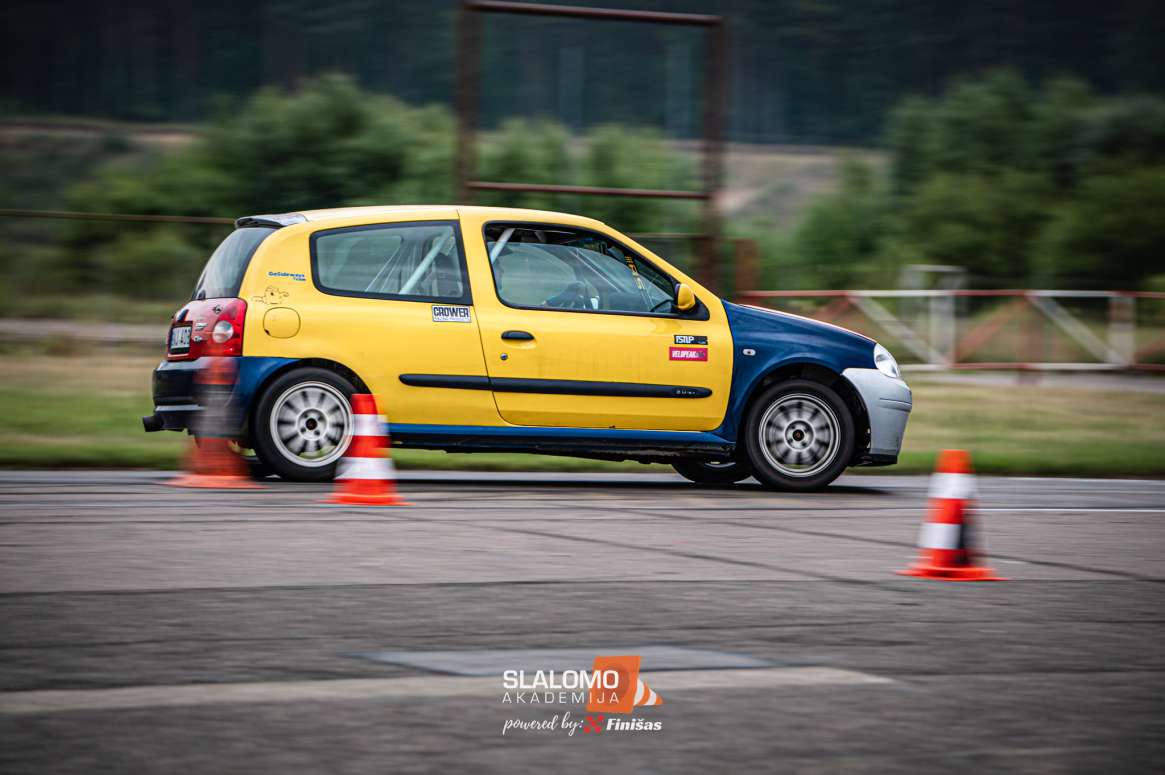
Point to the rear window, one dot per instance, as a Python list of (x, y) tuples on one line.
[(224, 271)]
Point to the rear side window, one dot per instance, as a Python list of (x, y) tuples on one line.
[(224, 272), (407, 261)]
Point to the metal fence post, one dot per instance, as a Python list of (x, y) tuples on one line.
[(468, 76), (1122, 329), (942, 321), (746, 260)]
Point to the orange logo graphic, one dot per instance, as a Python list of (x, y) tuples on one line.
[(630, 691)]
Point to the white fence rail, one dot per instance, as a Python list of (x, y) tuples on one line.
[(936, 330)]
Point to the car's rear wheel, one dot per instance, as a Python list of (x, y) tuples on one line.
[(257, 469), (799, 436), (303, 424), (718, 472)]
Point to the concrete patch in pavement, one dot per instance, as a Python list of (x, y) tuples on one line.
[(483, 662)]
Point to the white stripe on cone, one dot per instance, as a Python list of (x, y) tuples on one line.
[(364, 468), (940, 535), (368, 425), (958, 486)]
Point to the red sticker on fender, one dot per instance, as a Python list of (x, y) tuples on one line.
[(687, 353)]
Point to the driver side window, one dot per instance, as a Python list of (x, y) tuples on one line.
[(567, 269)]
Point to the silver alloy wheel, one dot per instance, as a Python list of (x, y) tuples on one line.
[(799, 435), (311, 424)]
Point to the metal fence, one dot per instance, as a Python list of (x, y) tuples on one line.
[(1039, 330)]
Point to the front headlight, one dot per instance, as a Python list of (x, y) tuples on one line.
[(885, 362)]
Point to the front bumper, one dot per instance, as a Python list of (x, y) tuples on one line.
[(888, 402)]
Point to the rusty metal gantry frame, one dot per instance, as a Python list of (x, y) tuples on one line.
[(714, 92)]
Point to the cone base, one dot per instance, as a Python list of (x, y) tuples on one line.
[(946, 573), (213, 482), (353, 499)]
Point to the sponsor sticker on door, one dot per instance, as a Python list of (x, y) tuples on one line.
[(687, 353), (691, 339), (444, 313)]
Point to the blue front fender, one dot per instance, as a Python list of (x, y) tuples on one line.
[(766, 341)]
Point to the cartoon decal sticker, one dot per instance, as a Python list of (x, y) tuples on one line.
[(444, 313), (271, 296), (687, 353)]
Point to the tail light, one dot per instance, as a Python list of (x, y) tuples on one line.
[(207, 327), (226, 333)]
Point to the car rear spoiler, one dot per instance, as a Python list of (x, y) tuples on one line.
[(276, 221)]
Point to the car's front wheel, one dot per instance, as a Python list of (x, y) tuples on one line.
[(713, 472), (303, 424), (799, 436)]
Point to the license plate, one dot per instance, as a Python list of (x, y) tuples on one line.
[(180, 339)]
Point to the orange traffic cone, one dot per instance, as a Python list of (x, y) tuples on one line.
[(365, 476), (946, 545), (212, 464)]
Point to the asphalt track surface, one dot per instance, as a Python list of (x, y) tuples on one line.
[(150, 629)]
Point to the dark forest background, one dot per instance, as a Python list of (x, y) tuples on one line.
[(802, 71), (1021, 144)]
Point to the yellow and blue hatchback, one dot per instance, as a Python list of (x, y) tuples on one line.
[(494, 329)]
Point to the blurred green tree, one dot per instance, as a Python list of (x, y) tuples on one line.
[(838, 240), (1020, 186), (1111, 234), (524, 151), (329, 144), (621, 157)]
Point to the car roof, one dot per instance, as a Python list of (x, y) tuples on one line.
[(437, 212)]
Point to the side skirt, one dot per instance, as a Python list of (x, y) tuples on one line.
[(642, 446)]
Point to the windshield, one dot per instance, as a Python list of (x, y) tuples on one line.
[(224, 271)]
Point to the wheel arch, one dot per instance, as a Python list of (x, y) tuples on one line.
[(820, 373), (323, 363)]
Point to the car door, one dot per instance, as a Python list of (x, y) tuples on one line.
[(581, 331)]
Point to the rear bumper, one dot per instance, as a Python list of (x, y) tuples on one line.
[(888, 402), (174, 403), (175, 399)]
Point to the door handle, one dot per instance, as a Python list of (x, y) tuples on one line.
[(520, 336)]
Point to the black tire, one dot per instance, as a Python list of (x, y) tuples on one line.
[(256, 468), (278, 456), (701, 472), (807, 439)]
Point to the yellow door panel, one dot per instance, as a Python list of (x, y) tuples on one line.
[(675, 356), (596, 347)]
